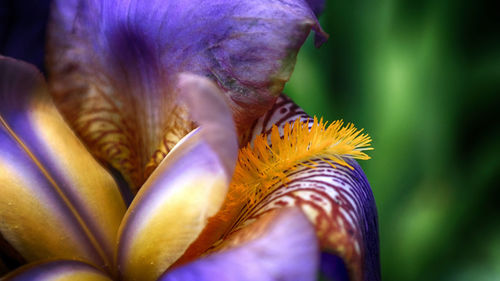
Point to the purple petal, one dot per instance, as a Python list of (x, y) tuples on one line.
[(339, 201), (60, 270), (278, 246), (113, 65), (57, 201)]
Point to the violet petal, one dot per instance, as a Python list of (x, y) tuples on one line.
[(113, 66)]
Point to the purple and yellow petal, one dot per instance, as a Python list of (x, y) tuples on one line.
[(113, 67), (337, 201), (57, 201), (186, 189), (57, 270), (171, 209), (280, 245)]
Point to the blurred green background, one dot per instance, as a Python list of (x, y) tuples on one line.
[(423, 79)]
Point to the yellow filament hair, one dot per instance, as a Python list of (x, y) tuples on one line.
[(262, 166)]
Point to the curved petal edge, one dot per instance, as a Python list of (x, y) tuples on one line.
[(57, 270), (280, 245)]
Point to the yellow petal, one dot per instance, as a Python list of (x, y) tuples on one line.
[(57, 201), (171, 209), (186, 189), (57, 270)]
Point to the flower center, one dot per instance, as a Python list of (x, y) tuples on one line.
[(265, 166)]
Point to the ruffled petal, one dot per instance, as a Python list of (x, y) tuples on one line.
[(113, 63), (280, 245), (338, 201), (56, 201), (58, 270), (187, 188)]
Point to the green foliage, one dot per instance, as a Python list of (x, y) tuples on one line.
[(423, 79)]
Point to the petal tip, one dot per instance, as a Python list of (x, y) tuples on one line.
[(208, 107)]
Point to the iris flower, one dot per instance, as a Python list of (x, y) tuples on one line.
[(161, 148)]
